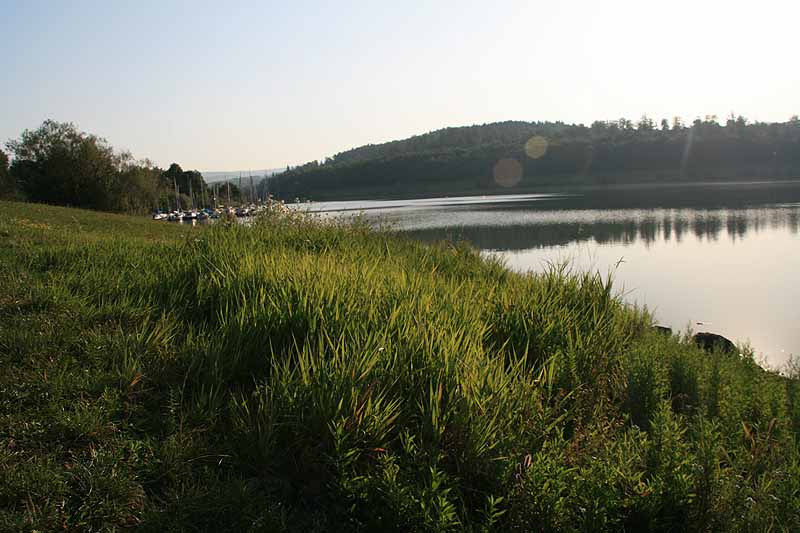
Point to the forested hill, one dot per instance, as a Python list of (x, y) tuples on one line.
[(519, 156)]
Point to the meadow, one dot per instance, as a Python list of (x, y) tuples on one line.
[(300, 374)]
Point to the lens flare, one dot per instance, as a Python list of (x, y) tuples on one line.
[(536, 147), (507, 172)]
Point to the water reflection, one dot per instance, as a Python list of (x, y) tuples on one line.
[(724, 255), (623, 226), (727, 271)]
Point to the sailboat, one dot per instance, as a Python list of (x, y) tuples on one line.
[(177, 215)]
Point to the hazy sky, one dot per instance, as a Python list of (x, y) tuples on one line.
[(237, 85)]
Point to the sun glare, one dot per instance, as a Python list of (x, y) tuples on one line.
[(536, 147), (507, 172)]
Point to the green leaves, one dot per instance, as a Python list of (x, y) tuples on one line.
[(301, 374)]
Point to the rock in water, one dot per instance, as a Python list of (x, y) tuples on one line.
[(711, 341)]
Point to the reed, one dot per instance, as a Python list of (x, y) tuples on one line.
[(309, 374)]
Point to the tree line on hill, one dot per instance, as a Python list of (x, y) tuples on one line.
[(465, 159), (61, 165), (58, 164)]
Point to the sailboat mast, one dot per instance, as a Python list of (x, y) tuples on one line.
[(177, 195), (191, 194), (252, 191)]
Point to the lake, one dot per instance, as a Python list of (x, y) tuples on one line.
[(719, 257)]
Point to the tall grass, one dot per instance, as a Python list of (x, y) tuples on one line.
[(319, 375)]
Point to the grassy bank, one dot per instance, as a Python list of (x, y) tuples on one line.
[(295, 375)]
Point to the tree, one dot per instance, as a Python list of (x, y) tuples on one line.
[(192, 182), (6, 185), (172, 175), (625, 124), (664, 124), (229, 187), (599, 126), (138, 187), (741, 122), (58, 164), (645, 124)]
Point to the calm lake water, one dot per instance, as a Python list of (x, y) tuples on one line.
[(722, 257)]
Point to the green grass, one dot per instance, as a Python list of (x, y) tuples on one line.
[(307, 376)]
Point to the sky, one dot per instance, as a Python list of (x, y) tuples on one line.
[(238, 85)]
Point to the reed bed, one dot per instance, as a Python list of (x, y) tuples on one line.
[(304, 374)]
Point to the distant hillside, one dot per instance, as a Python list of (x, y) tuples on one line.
[(522, 156), (224, 175)]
